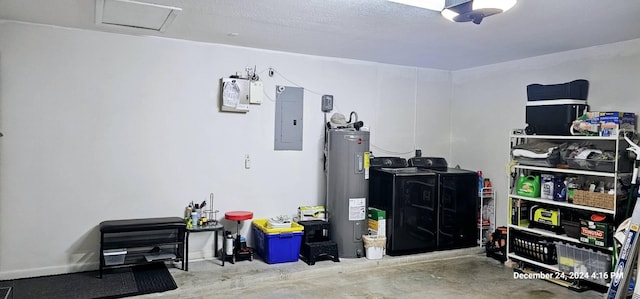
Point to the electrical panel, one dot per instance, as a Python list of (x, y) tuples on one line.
[(288, 121)]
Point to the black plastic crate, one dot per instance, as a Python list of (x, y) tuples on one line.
[(533, 247)]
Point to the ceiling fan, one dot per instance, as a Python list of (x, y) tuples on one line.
[(462, 10)]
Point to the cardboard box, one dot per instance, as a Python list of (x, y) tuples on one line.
[(591, 125), (311, 213), (377, 222), (612, 122), (595, 233), (519, 212)]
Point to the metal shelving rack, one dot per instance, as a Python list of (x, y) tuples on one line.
[(486, 214), (614, 176)]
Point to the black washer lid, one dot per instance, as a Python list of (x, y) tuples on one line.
[(428, 162), (387, 162)]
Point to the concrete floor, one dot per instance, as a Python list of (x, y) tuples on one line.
[(462, 273)]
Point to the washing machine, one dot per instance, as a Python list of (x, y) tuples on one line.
[(408, 195)]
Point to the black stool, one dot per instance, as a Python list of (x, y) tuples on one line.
[(316, 242)]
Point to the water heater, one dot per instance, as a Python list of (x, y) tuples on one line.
[(347, 189)]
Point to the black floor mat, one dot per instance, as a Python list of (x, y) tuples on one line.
[(153, 277), (115, 283), (5, 292)]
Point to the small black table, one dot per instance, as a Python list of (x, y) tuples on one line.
[(207, 228), (136, 236)]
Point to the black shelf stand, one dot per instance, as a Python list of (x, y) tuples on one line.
[(145, 238)]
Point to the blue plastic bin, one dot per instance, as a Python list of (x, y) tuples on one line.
[(276, 248)]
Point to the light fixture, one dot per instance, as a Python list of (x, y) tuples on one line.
[(476, 10), (462, 10)]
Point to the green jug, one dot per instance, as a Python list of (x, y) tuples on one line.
[(528, 186)]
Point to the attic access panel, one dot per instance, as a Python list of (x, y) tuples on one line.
[(135, 14)]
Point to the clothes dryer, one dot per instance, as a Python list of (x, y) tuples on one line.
[(457, 191)]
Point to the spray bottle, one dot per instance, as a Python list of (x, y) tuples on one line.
[(480, 182)]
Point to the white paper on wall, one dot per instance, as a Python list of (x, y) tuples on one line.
[(230, 94), (357, 209)]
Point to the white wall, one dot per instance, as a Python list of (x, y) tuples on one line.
[(102, 126), (490, 101)]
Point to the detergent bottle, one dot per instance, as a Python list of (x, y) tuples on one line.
[(487, 187), (480, 182), (528, 186), (559, 189)]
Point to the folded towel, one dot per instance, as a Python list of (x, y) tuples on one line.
[(529, 154)]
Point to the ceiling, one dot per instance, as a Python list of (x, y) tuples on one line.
[(371, 30)]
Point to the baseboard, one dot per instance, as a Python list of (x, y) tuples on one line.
[(45, 271)]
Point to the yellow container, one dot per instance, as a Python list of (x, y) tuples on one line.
[(261, 224)]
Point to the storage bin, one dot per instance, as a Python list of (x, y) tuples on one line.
[(584, 263), (277, 245), (533, 247), (624, 165), (576, 89), (595, 165), (553, 117), (593, 199), (551, 161), (114, 256), (261, 224)]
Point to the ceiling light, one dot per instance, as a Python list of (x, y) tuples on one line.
[(476, 10)]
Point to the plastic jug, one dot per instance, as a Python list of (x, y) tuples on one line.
[(559, 189), (528, 186), (546, 186)]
